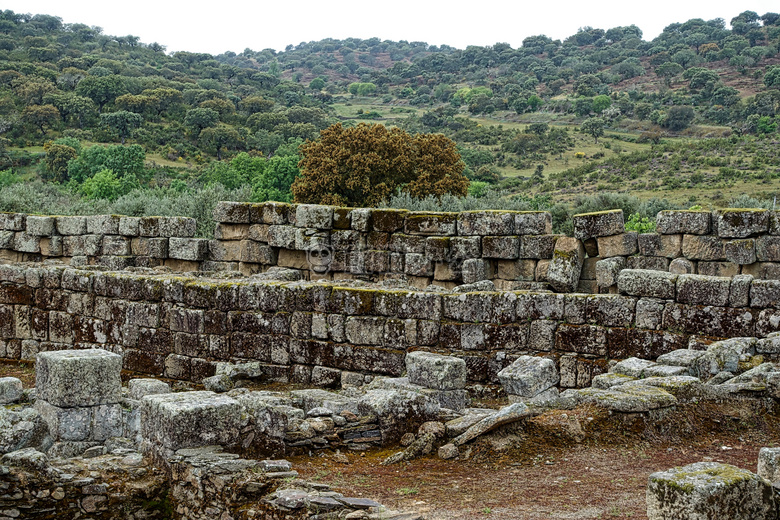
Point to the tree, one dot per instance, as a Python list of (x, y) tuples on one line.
[(57, 158), (679, 117), (122, 122), (41, 116), (197, 119), (101, 89), (365, 164), (122, 160), (593, 126), (277, 178), (772, 77), (601, 103), (668, 70), (219, 137)]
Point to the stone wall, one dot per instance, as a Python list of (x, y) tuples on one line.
[(513, 249), (180, 326)]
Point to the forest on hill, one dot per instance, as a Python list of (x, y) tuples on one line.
[(91, 122)]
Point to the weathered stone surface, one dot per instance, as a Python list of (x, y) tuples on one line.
[(398, 411), (314, 216), (607, 271), (192, 249), (708, 490), (655, 244), (741, 223), (529, 376), (680, 357), (139, 388), (703, 290), (681, 266), (625, 398), (508, 414), (633, 367), (190, 419), (10, 390), (486, 223), (68, 378), (607, 381), (640, 282), (564, 270), (422, 223), (12, 221), (769, 464), (672, 222), (722, 356), (503, 247), (768, 248), (533, 223), (765, 293), (708, 248), (40, 226), (741, 252), (232, 212), (474, 270), (436, 371), (599, 224), (623, 244)]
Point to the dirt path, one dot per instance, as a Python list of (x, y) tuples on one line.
[(581, 482)]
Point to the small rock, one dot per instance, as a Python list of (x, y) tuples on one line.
[(448, 451), (220, 384), (434, 427), (407, 439)]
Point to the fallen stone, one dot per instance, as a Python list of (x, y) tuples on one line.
[(529, 376), (563, 273), (436, 371), (423, 445), (709, 490), (606, 381), (508, 414), (471, 416), (70, 378), (769, 464), (625, 398), (219, 384), (448, 451), (11, 390), (138, 388), (633, 367), (681, 357)]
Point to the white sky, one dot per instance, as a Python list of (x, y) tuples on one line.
[(219, 26)]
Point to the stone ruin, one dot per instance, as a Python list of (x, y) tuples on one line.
[(394, 319)]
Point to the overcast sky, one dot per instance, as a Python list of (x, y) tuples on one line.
[(219, 26)]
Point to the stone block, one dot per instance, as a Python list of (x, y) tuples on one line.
[(257, 253), (232, 212), (365, 330), (191, 249), (436, 371), (673, 222), (703, 290), (599, 224), (533, 223), (768, 248), (437, 249), (103, 224), (388, 220), (623, 244), (523, 269), (282, 236), (708, 248), (421, 223), (272, 213), (190, 420), (649, 313), (529, 376), (765, 293), (717, 268), (81, 245), (314, 216), (179, 227), (769, 464), (398, 411), (654, 284), (51, 246), (129, 226), (12, 221), (537, 247), (607, 271), (40, 226), (475, 270), (486, 223), (115, 245), (139, 388), (739, 294), (7, 239), (360, 219), (462, 248), (503, 247), (416, 264), (742, 223), (10, 390), (69, 378), (27, 243), (741, 252), (564, 270), (655, 244), (681, 266), (709, 490)]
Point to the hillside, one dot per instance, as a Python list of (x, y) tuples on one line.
[(690, 116)]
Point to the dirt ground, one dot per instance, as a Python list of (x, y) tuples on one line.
[(532, 474)]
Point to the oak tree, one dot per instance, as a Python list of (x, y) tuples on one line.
[(365, 164)]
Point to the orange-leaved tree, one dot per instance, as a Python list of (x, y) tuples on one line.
[(365, 164)]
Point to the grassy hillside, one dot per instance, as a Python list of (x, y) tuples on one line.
[(690, 116)]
